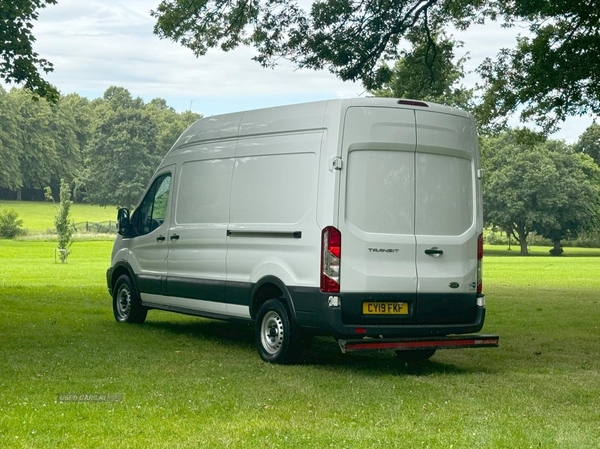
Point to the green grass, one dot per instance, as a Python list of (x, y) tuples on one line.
[(39, 216), (190, 382)]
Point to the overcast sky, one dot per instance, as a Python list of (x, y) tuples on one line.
[(94, 44)]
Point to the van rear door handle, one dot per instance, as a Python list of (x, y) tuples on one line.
[(160, 238), (174, 237), (434, 252)]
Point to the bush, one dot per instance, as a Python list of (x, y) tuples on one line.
[(496, 238), (585, 240), (537, 240), (10, 224)]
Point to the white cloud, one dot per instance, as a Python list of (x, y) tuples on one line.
[(100, 43)]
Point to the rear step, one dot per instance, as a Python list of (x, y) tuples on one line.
[(411, 344)]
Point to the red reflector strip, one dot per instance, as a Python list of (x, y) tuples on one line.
[(429, 344)]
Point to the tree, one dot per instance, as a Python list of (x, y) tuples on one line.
[(429, 73), (10, 145), (129, 141), (40, 143), (62, 222), (550, 74), (122, 152), (18, 62), (577, 188), (39, 158), (170, 124), (589, 142), (534, 185), (70, 128)]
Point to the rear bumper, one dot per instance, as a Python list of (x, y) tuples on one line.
[(415, 344), (314, 314)]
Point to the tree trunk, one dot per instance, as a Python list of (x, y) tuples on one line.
[(522, 240), (19, 194), (523, 243), (557, 250)]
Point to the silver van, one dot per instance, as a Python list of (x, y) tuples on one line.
[(360, 219)]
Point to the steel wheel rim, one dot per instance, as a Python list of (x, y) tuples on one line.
[(272, 332), (123, 303)]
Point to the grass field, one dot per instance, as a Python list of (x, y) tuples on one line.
[(189, 382), (39, 216)]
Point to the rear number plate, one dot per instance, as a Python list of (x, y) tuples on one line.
[(385, 308)]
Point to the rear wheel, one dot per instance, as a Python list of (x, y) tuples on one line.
[(417, 355), (277, 340), (127, 306)]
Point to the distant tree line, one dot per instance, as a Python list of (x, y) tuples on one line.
[(107, 148)]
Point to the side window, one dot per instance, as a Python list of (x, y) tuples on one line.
[(153, 210)]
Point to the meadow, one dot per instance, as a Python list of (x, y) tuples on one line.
[(191, 382), (38, 216)]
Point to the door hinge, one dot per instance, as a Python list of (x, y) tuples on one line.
[(336, 163)]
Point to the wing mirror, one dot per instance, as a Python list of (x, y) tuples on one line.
[(124, 222)]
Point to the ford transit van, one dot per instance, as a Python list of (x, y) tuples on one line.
[(360, 219)]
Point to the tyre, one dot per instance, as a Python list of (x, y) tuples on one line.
[(417, 355), (277, 339), (126, 302)]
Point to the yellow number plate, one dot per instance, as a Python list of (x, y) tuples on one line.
[(385, 308)]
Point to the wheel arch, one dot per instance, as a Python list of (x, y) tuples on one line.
[(120, 269), (270, 287)]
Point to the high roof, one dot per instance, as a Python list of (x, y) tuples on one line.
[(292, 117)]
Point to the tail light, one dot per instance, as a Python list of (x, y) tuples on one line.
[(479, 263), (331, 253)]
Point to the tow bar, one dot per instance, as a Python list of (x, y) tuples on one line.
[(411, 344)]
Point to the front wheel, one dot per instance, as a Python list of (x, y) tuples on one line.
[(126, 302), (276, 338)]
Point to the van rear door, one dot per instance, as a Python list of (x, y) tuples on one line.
[(376, 215), (446, 217)]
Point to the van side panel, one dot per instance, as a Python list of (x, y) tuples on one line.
[(273, 230)]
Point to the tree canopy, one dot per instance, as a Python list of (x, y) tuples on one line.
[(552, 73), (350, 38), (18, 62)]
